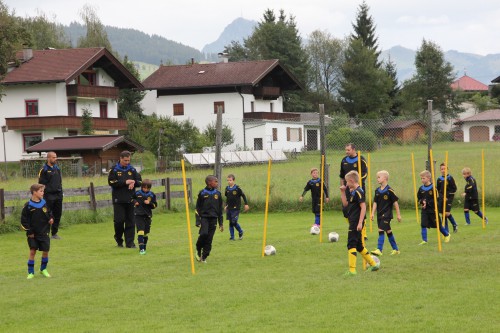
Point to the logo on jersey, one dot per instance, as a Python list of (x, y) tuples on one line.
[(386, 197), (355, 165), (430, 192), (216, 196), (130, 173), (317, 184), (44, 209), (234, 192)]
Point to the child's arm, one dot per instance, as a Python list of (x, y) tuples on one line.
[(342, 195), (325, 192), (374, 209), (306, 188), (152, 201), (398, 213), (244, 197), (25, 222), (221, 217), (361, 216)]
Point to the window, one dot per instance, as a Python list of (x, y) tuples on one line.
[(217, 105), (252, 106), (72, 132), (103, 109), (72, 108), (87, 78), (293, 134), (31, 107), (179, 109), (31, 139), (271, 107), (275, 134)]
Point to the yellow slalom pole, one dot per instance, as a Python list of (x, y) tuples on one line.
[(483, 188), (363, 231), (267, 207), (370, 191), (321, 199), (186, 202), (435, 199), (414, 186), (444, 188)]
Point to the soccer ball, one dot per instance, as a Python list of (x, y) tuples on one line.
[(269, 250), (333, 237), (375, 258), (314, 230)]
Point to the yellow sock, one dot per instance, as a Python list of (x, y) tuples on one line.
[(368, 258), (351, 255)]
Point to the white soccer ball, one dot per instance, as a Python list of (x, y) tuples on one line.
[(269, 250), (333, 237), (314, 230), (375, 258)]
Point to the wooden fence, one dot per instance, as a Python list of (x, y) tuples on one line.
[(91, 191)]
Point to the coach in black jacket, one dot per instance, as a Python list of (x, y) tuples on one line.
[(123, 179), (50, 176)]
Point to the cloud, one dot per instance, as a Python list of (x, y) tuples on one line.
[(423, 20)]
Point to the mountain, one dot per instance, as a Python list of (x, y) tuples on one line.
[(481, 68), (237, 30)]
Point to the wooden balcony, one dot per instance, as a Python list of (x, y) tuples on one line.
[(77, 90), (285, 116), (267, 92), (65, 122)]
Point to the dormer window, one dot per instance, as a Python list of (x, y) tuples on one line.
[(88, 78)]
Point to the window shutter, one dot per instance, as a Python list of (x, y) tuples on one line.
[(300, 134), (288, 134)]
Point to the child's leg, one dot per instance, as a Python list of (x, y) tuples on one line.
[(230, 217), (45, 260), (317, 219), (381, 239), (424, 234), (147, 230), (203, 234), (443, 230), (467, 216), (140, 240), (352, 240), (207, 248), (392, 240), (453, 222), (31, 261)]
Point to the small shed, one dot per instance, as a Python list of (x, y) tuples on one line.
[(482, 127), (98, 152), (403, 130)]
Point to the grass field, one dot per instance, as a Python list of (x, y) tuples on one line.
[(97, 287)]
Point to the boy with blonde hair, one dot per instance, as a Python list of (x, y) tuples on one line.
[(425, 197), (385, 198), (471, 196), (354, 209)]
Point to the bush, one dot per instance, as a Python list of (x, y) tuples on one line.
[(364, 140), (337, 139)]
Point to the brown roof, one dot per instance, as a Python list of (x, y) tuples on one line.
[(64, 65), (230, 74), (82, 142), (400, 124), (466, 83), (482, 116)]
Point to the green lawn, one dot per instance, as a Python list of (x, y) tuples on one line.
[(97, 287)]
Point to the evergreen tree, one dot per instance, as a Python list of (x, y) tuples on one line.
[(394, 91), (129, 100), (45, 33), (87, 128), (364, 29)]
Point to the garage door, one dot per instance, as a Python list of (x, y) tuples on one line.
[(479, 133)]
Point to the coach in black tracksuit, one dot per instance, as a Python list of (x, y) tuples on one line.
[(123, 179), (50, 176)]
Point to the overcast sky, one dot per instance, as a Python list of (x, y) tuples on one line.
[(466, 26)]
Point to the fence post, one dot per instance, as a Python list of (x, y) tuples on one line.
[(190, 189), (93, 203), (167, 193), (2, 205)]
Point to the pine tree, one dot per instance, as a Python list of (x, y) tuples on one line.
[(364, 29), (129, 100), (394, 91)]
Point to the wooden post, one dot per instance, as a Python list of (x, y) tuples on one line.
[(2, 205), (93, 203), (167, 193)]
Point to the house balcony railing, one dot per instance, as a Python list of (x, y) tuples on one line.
[(66, 122), (78, 90), (267, 92), (284, 116)]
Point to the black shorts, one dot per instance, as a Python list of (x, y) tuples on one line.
[(41, 243), (471, 204), (143, 223), (449, 203), (428, 219), (232, 216), (384, 225)]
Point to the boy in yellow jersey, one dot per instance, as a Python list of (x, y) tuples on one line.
[(354, 209)]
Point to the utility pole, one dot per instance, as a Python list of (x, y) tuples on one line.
[(218, 145)]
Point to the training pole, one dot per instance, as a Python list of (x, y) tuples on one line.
[(433, 176), (363, 231), (267, 207), (321, 199), (483, 188), (414, 185), (444, 188), (369, 190), (186, 203)]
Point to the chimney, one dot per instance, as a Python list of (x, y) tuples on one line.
[(192, 61), (223, 57), (27, 53)]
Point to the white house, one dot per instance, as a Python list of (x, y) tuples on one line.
[(249, 94), (46, 93), (484, 126)]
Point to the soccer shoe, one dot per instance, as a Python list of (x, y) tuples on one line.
[(455, 229), (349, 273), (231, 238), (376, 252), (447, 238), (45, 273), (56, 236), (30, 276), (142, 252), (197, 255), (203, 260), (373, 268), (486, 220), (395, 252), (422, 243), (241, 235)]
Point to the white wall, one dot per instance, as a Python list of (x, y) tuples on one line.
[(490, 124), (265, 131)]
